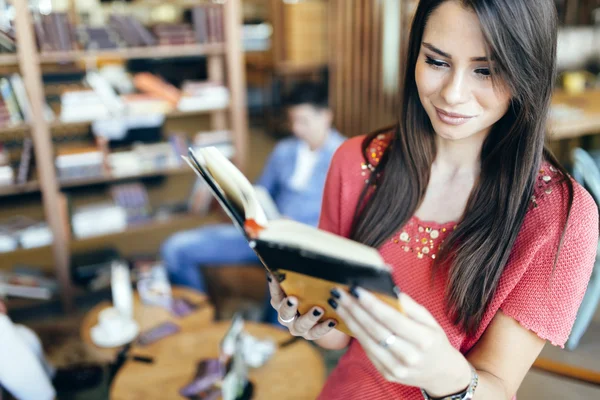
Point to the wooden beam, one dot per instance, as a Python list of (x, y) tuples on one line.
[(42, 143), (236, 79), (568, 371)]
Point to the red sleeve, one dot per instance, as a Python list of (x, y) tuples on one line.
[(546, 299), (331, 204)]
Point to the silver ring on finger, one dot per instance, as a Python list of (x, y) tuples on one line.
[(388, 341), (287, 321)]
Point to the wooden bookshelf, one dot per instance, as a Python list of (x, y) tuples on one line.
[(225, 66)]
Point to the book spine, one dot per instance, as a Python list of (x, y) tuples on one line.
[(51, 32), (24, 164), (59, 20), (212, 24), (153, 85), (200, 24), (10, 101), (144, 34), (42, 38), (21, 96), (220, 24)]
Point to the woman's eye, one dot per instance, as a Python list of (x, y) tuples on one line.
[(435, 63), (483, 72)]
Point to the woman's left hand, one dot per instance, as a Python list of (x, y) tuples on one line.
[(408, 347)]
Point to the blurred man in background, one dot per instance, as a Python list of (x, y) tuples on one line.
[(294, 176)]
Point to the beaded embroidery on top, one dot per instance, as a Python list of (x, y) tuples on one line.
[(426, 239)]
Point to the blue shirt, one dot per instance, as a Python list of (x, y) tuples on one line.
[(301, 205)]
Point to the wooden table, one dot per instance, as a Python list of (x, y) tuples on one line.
[(295, 371), (150, 316), (586, 124)]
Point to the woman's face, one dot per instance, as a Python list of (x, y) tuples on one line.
[(453, 75)]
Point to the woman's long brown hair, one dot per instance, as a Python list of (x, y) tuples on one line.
[(521, 38)]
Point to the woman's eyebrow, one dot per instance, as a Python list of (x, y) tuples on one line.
[(448, 56)]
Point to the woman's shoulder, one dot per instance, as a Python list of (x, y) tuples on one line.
[(550, 202), (363, 151)]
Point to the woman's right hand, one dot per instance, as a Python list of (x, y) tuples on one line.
[(2, 307), (307, 325)]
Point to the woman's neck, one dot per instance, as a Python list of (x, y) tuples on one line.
[(459, 157)]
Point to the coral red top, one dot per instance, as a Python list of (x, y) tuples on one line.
[(524, 292)]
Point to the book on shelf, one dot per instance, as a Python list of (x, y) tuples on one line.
[(79, 163), (7, 175), (308, 262), (133, 198), (24, 232), (207, 22), (202, 96), (131, 31), (174, 34), (10, 101), (54, 32), (27, 283), (98, 219), (153, 85), (25, 161), (7, 42)]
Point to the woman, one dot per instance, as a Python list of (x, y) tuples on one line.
[(489, 239)]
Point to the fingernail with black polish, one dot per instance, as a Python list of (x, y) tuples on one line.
[(317, 313), (331, 324), (333, 303), (290, 304), (353, 291), (335, 293)]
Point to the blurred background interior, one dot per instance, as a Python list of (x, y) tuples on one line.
[(99, 98)]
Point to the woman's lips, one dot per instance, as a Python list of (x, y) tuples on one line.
[(452, 118)]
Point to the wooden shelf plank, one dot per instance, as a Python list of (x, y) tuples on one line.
[(29, 187), (131, 53), (145, 237), (34, 186), (171, 115), (8, 59), (13, 128), (109, 179)]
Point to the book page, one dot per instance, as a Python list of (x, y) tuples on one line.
[(306, 237), (235, 183), (267, 203)]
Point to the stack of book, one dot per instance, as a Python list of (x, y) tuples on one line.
[(55, 32), (82, 106), (14, 104), (23, 232), (207, 20), (174, 34), (131, 31), (133, 198), (202, 96), (98, 38), (98, 219), (79, 163), (7, 42), (27, 283)]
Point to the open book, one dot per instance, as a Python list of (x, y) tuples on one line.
[(308, 262)]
